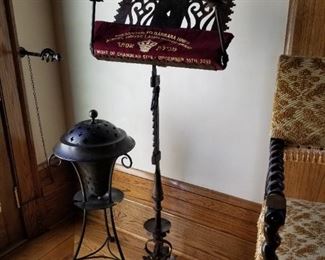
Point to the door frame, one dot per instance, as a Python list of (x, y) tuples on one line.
[(12, 230), (17, 123)]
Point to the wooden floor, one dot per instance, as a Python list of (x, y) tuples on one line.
[(56, 244)]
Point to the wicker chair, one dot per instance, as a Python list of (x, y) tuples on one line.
[(298, 134)]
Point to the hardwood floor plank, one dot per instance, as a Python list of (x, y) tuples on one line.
[(196, 240), (40, 247), (63, 251)]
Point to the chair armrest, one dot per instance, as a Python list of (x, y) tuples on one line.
[(275, 200)]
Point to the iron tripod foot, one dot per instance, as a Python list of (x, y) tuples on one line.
[(109, 239)]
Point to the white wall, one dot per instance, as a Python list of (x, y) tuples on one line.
[(35, 30), (214, 125)]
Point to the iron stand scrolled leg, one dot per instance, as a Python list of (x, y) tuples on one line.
[(84, 217), (109, 236), (158, 226), (115, 234), (82, 235)]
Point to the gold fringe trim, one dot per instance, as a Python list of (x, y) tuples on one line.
[(303, 154)]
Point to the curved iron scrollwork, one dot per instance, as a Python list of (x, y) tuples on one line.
[(136, 12), (167, 249), (190, 14), (130, 162), (275, 200), (200, 15)]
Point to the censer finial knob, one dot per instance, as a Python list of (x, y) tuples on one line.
[(93, 115)]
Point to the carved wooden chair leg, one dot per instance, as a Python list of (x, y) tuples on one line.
[(275, 201)]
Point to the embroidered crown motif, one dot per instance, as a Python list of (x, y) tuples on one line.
[(145, 46)]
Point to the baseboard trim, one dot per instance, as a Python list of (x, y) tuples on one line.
[(238, 202)]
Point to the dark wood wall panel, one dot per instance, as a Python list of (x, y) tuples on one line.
[(4, 240), (205, 224), (11, 226), (59, 186)]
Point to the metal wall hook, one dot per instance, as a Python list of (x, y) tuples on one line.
[(46, 54)]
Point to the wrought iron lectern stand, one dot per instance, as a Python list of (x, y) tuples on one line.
[(160, 15)]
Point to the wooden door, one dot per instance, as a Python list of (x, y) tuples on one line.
[(17, 124), (11, 228)]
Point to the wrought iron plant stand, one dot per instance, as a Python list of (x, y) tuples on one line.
[(149, 31)]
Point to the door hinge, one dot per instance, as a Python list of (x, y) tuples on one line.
[(17, 197)]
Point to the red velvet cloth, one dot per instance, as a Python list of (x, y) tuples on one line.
[(161, 46)]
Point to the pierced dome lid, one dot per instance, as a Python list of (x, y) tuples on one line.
[(93, 140)]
